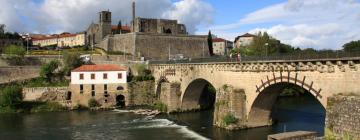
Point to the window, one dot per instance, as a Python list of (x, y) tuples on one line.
[(105, 87), (92, 93), (81, 76), (92, 76), (119, 75), (81, 89), (105, 76), (92, 87)]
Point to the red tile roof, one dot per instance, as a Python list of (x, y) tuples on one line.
[(103, 67), (115, 27), (218, 40), (63, 35)]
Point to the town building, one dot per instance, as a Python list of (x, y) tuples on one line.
[(59, 40), (149, 39), (106, 83), (222, 46), (244, 40)]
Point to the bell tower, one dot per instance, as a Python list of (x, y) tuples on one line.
[(104, 23)]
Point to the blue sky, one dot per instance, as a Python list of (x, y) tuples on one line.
[(319, 24)]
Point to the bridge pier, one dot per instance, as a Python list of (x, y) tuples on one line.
[(170, 96), (230, 102)]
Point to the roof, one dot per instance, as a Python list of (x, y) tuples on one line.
[(219, 40), (125, 28), (63, 35), (245, 35), (100, 67)]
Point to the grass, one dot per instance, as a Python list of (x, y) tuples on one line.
[(33, 107), (160, 107), (55, 52), (229, 119), (41, 82)]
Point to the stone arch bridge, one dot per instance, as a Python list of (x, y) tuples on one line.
[(249, 89)]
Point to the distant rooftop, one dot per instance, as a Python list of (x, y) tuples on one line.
[(99, 67)]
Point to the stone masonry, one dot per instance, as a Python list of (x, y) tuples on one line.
[(322, 78), (343, 116)]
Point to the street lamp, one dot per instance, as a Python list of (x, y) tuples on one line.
[(266, 45)]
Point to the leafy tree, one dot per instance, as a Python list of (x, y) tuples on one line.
[(48, 70), (14, 50), (210, 44), (93, 103), (119, 27), (71, 60), (10, 96), (352, 46)]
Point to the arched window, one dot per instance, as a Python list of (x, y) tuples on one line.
[(120, 88)]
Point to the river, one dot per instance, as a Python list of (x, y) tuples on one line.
[(301, 113)]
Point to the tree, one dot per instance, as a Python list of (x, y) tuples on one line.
[(119, 27), (10, 96), (352, 46), (71, 60), (210, 44), (48, 70)]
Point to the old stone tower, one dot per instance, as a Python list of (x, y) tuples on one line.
[(105, 23)]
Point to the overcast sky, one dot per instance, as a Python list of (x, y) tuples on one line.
[(319, 24)]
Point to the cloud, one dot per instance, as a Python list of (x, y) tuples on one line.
[(51, 16), (192, 13), (320, 24)]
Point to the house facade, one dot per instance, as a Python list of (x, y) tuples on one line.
[(107, 84), (244, 40), (60, 40), (222, 46)]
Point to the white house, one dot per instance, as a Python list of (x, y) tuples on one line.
[(104, 83)]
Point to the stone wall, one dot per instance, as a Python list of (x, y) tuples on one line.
[(230, 101), (140, 93), (47, 94), (343, 116), (11, 74), (157, 46), (170, 96)]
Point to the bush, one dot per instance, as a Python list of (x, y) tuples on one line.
[(160, 106), (48, 107), (14, 50), (10, 96), (71, 60), (48, 70), (229, 119), (93, 103)]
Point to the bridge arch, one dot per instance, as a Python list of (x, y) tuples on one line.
[(268, 91), (197, 95)]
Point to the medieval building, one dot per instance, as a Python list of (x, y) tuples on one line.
[(151, 39)]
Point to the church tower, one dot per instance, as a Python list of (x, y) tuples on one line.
[(104, 23)]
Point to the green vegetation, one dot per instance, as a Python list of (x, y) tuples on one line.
[(229, 119), (13, 50), (14, 54), (41, 82), (46, 107), (47, 71), (11, 102), (71, 60), (352, 46), (51, 51), (143, 74), (160, 106), (93, 103), (210, 43), (10, 96)]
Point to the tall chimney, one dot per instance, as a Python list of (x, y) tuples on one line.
[(133, 16)]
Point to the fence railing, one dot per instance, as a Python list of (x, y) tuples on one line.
[(283, 57)]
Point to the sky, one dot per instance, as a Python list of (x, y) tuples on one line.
[(318, 24)]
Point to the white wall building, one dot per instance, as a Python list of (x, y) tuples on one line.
[(99, 74), (222, 46), (244, 40)]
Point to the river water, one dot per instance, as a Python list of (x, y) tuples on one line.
[(302, 113)]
